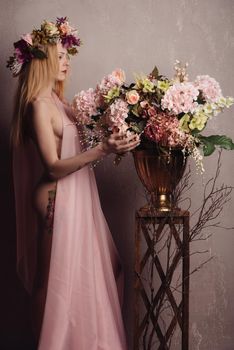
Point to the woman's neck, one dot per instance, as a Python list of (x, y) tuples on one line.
[(47, 92)]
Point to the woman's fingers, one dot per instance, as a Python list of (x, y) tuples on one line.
[(125, 140), (128, 146), (119, 142), (118, 137)]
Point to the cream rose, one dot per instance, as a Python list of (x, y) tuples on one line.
[(50, 28), (132, 97)]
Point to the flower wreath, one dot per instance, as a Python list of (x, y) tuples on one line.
[(31, 45)]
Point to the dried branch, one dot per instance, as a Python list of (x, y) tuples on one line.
[(215, 198)]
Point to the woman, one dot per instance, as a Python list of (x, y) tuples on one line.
[(66, 256)]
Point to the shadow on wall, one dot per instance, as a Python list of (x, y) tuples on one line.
[(14, 320)]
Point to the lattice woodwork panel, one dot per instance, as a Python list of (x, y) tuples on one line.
[(161, 291)]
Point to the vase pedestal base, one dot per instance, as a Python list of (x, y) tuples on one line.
[(160, 203), (161, 297)]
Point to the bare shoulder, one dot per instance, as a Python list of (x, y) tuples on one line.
[(42, 108)]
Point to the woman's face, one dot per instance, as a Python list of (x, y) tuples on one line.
[(63, 62)]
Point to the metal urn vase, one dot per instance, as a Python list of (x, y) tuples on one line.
[(160, 173)]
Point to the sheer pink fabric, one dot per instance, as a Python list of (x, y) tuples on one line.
[(83, 305)]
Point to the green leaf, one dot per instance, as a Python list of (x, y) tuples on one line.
[(134, 127), (141, 125), (134, 110), (222, 141), (210, 143), (138, 127), (208, 147), (154, 73)]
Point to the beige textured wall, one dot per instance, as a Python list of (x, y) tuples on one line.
[(135, 35)]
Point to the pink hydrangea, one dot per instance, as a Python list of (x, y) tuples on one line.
[(108, 83), (209, 87), (85, 105), (164, 129), (180, 98), (115, 79), (117, 113)]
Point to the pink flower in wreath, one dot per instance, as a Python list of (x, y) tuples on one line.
[(19, 55), (28, 38), (65, 28)]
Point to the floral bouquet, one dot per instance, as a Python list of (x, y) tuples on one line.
[(167, 113)]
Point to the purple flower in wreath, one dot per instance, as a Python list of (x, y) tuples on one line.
[(70, 40), (22, 51), (61, 20)]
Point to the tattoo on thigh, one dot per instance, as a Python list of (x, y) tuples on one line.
[(50, 211)]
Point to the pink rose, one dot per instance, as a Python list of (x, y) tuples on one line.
[(132, 97), (65, 28), (120, 75)]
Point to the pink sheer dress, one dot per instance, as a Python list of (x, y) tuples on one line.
[(85, 286)]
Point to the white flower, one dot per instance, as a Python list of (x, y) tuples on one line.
[(225, 102)]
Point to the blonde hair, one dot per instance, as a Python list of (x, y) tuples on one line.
[(34, 77)]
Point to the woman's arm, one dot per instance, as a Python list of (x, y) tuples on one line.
[(45, 140)]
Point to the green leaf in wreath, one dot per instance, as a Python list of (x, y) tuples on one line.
[(37, 53)]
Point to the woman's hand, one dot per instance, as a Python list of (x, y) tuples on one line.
[(120, 143)]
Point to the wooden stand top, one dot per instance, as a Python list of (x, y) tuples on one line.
[(152, 213)]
